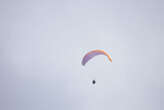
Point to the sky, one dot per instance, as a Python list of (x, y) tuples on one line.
[(42, 43)]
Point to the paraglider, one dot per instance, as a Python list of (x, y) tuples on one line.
[(92, 54)]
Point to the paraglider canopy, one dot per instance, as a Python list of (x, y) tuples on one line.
[(94, 53)]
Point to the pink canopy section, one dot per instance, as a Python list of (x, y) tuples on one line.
[(94, 53)]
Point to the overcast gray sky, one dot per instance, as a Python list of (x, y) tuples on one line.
[(42, 44)]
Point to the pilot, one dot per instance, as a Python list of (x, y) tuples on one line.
[(93, 82)]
